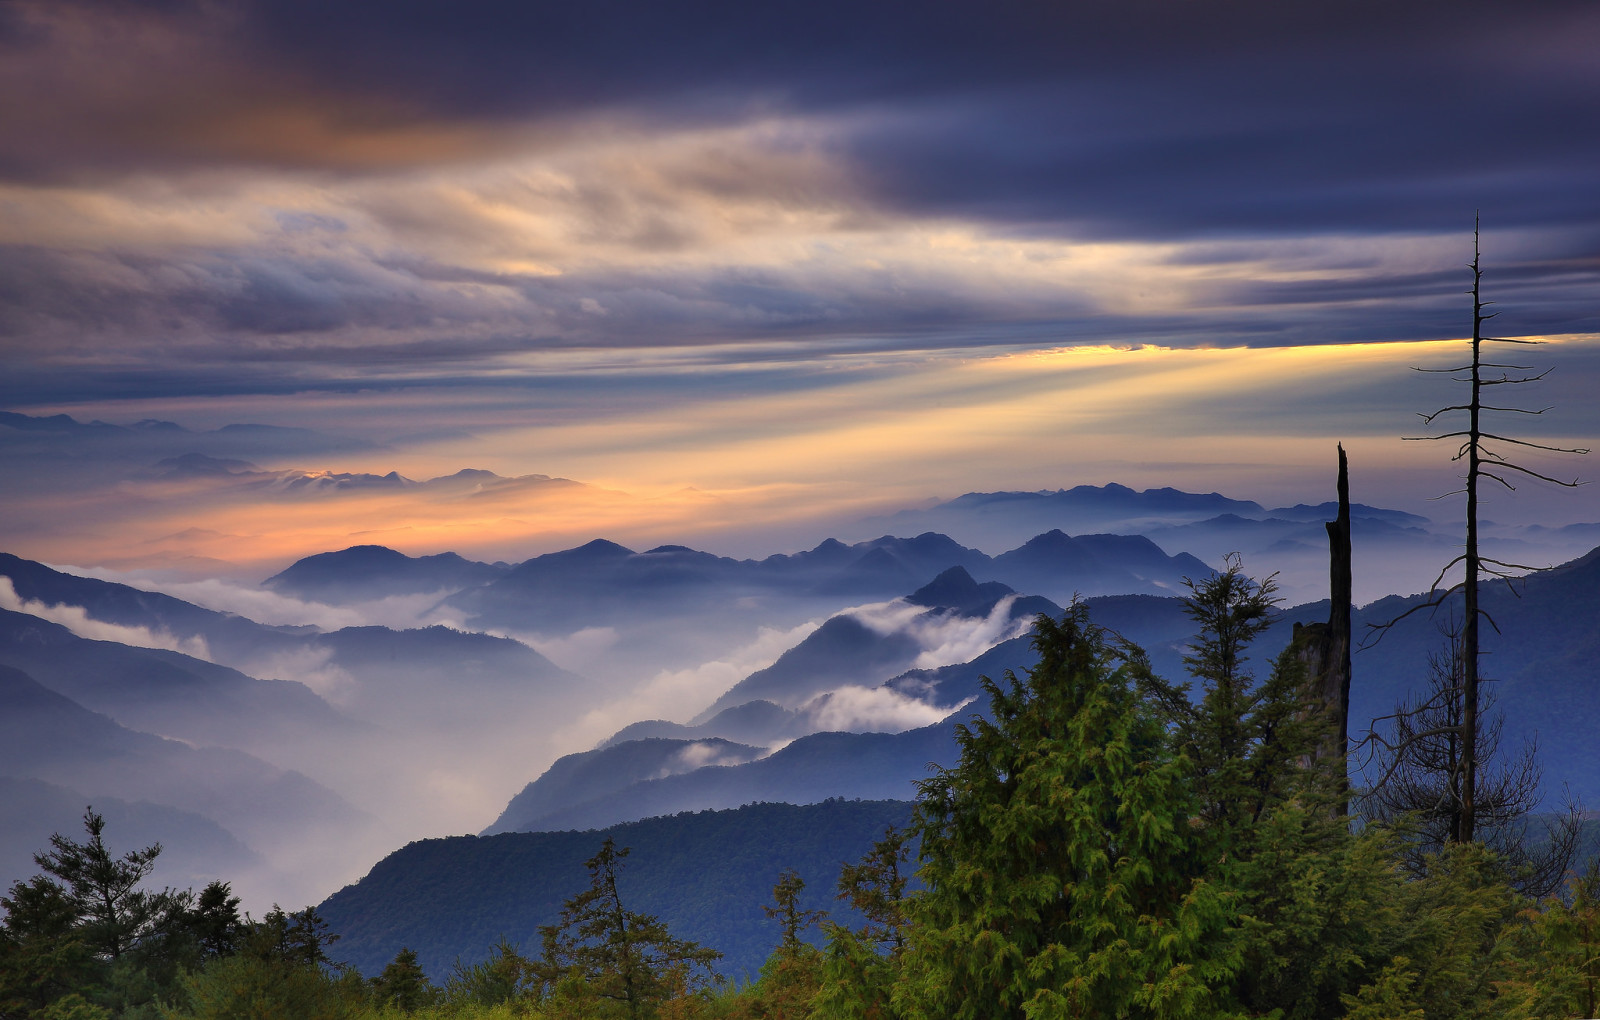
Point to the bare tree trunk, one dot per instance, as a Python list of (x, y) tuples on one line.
[(1469, 591), (1487, 455), (1335, 652)]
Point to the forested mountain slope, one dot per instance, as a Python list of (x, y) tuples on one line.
[(706, 874)]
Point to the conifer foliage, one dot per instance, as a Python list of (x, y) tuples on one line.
[(1062, 855), (603, 950)]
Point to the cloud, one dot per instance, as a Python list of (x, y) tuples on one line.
[(78, 620), (873, 710), (231, 200), (945, 637), (576, 650), (702, 754), (950, 639), (310, 666), (891, 617), (678, 694), (699, 452), (276, 610)]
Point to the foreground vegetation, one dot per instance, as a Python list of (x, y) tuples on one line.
[(1109, 845)]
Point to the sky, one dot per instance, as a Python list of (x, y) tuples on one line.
[(746, 271)]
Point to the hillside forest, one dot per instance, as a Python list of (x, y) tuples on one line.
[(1110, 843)]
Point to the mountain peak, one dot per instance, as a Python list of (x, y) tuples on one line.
[(956, 589), (371, 571)]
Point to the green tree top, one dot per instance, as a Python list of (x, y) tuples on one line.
[(618, 954), (1061, 856), (114, 914)]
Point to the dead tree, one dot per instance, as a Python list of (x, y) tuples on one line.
[(1487, 458), (1325, 647), (1421, 771)]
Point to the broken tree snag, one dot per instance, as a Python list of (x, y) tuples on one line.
[(1334, 677)]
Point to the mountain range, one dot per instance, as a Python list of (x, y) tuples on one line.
[(519, 698)]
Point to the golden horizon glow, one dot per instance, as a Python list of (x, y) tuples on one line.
[(697, 467)]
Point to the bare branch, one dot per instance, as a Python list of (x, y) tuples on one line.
[(1503, 563), (1546, 478), (1428, 418), (1512, 410), (1580, 451)]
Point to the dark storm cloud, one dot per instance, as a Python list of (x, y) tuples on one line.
[(1223, 132), (1140, 119), (1149, 119)]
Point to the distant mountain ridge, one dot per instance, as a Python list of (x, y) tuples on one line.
[(408, 707), (705, 874), (600, 582), (845, 650), (327, 577)]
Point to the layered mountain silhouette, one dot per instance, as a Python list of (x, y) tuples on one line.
[(168, 692), (898, 632), (850, 650), (382, 673), (602, 582), (662, 767), (1546, 663), (256, 758), (48, 737), (1395, 551)]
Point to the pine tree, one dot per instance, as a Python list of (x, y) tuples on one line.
[(43, 955), (785, 909), (114, 914), (1250, 745), (1555, 969), (616, 954), (403, 985), (299, 939), (876, 887), (215, 923), (861, 967), (1062, 857)]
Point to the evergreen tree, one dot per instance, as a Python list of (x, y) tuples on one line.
[(403, 985), (215, 923), (113, 913), (1250, 744), (602, 949), (250, 987), (1556, 969), (1062, 856), (861, 967), (505, 975), (792, 975), (299, 939), (43, 955), (876, 887), (786, 911)]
